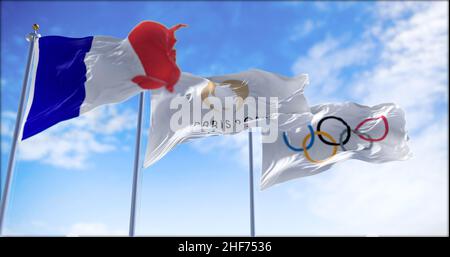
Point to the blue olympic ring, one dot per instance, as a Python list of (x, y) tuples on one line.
[(286, 141)]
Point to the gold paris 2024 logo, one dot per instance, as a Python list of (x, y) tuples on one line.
[(224, 118), (238, 87)]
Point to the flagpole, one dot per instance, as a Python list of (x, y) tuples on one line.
[(252, 202), (137, 167), (9, 173)]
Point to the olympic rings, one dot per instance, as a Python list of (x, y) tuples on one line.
[(319, 133), (348, 131), (386, 128), (295, 149), (336, 118)]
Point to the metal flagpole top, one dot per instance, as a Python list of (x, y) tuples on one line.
[(33, 35)]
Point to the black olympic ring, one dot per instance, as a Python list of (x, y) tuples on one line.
[(357, 133), (348, 130)]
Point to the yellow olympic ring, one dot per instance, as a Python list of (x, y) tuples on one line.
[(325, 134)]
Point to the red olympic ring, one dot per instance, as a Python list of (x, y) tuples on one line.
[(386, 126)]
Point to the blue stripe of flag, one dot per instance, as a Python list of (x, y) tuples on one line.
[(59, 85)]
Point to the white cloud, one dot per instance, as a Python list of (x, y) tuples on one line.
[(3, 82), (93, 229), (302, 30), (408, 43), (413, 64), (7, 128), (325, 63), (70, 144), (394, 10), (325, 6), (321, 6), (412, 59)]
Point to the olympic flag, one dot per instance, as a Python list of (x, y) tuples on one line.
[(337, 132), (192, 103)]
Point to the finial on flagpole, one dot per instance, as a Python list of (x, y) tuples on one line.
[(35, 27), (34, 34)]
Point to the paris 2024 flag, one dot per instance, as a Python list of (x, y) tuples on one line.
[(195, 114), (337, 132), (72, 76)]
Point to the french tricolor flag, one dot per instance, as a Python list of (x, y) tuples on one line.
[(74, 75)]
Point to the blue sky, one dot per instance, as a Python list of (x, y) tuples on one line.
[(75, 178)]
